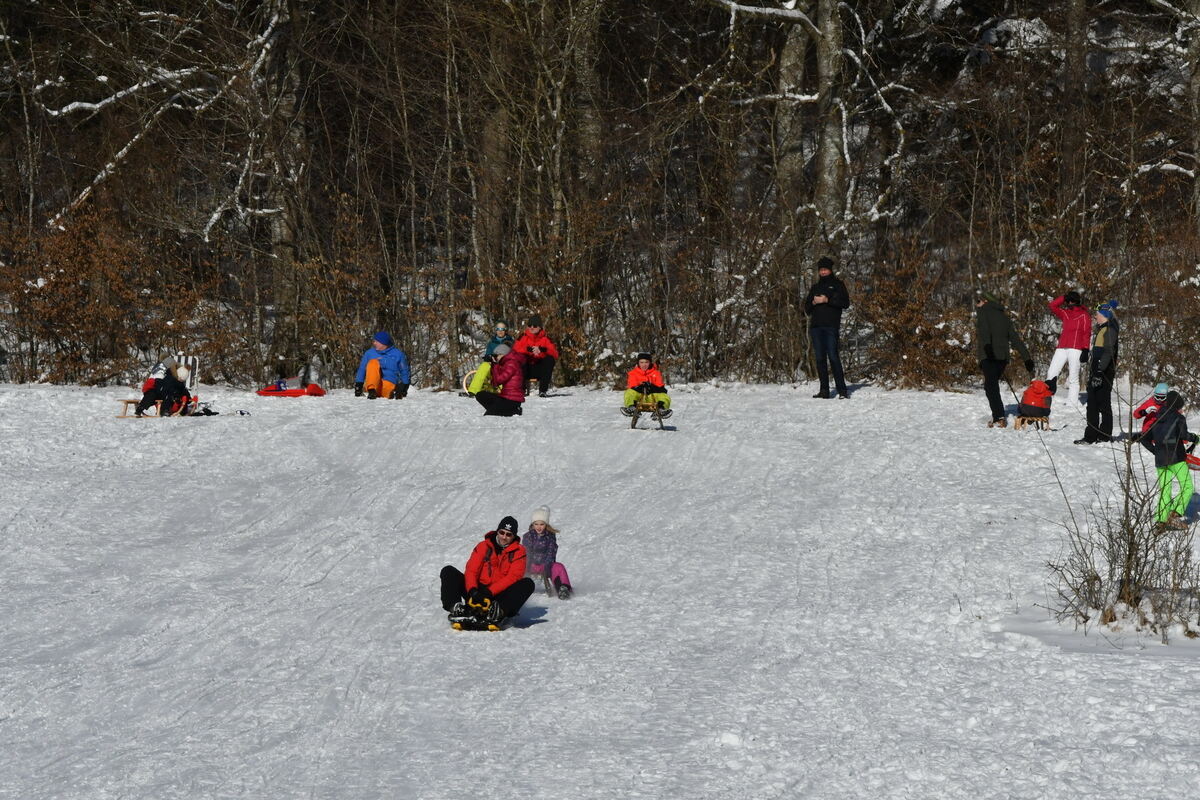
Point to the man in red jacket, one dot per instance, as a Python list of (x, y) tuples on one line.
[(494, 586), (1073, 342), (508, 376), (539, 352)]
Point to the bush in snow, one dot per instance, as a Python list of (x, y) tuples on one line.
[(1121, 568)]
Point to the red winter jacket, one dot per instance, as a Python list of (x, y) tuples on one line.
[(638, 376), (1037, 395), (495, 568), (540, 339), (1077, 325), (1149, 410), (509, 375)]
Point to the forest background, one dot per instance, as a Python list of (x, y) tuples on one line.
[(265, 184)]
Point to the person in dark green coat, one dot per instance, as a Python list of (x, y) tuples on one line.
[(994, 339)]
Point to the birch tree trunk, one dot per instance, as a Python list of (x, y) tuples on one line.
[(830, 195), (790, 155)]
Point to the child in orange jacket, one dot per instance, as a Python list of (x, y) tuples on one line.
[(1035, 401), (646, 380)]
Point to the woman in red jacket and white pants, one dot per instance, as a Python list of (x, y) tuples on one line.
[(1073, 342)]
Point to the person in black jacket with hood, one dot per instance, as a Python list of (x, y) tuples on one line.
[(824, 305), (1170, 441), (995, 337)]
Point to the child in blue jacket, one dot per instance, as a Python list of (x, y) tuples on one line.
[(383, 371)]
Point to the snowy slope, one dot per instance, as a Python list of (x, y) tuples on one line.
[(783, 598)]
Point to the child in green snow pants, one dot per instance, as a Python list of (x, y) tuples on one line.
[(1167, 501), (632, 396)]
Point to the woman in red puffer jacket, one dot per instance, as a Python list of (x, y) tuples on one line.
[(1073, 342), (508, 376)]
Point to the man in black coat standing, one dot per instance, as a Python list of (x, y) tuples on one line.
[(824, 304), (995, 337)]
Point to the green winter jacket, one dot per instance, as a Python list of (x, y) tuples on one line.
[(994, 332)]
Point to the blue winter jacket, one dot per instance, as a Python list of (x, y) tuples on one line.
[(495, 342), (393, 365)]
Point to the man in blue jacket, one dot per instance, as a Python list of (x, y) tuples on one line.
[(383, 371)]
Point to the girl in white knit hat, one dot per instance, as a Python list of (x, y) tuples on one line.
[(541, 547)]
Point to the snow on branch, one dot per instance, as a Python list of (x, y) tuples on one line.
[(787, 15), (164, 76), (776, 97), (1166, 166), (1175, 11), (257, 51), (108, 169)]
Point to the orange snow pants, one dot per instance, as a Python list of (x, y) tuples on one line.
[(375, 380)]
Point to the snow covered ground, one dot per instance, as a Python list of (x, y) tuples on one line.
[(782, 598)]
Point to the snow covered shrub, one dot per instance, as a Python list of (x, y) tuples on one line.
[(1121, 568)]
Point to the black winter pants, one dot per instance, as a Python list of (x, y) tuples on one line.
[(454, 589), (496, 406), (153, 396), (541, 369), (1099, 411), (825, 352), (993, 371)]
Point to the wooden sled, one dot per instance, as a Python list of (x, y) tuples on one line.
[(128, 407), (645, 405), (1037, 423), (193, 365)]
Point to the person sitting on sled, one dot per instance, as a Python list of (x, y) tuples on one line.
[(1170, 441), (646, 380), (481, 381), (500, 335), (383, 371), (541, 546), (1035, 401), (1147, 412), (539, 352), (493, 587), (167, 385), (500, 392)]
